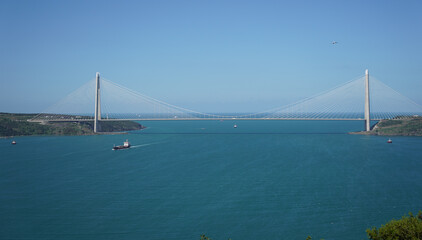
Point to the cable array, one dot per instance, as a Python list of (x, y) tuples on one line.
[(344, 102)]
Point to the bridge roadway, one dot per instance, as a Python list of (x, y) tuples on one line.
[(202, 119)]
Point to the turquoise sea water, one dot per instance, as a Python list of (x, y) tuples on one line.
[(262, 180)]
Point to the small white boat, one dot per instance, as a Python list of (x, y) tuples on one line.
[(389, 141), (235, 126), (13, 142)]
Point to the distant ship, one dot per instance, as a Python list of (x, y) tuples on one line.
[(124, 146), (13, 142), (235, 126), (390, 141)]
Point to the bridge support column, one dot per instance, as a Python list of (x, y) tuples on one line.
[(97, 114), (367, 110)]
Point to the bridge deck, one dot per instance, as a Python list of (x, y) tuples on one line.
[(202, 119)]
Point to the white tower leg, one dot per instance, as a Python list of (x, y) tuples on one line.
[(367, 110), (97, 114)]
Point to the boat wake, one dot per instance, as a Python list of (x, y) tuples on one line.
[(144, 145)]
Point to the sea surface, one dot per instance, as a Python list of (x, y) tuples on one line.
[(261, 180)]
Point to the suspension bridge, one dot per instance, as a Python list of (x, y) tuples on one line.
[(359, 99)]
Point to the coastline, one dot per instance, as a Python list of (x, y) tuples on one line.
[(396, 127), (88, 134), (17, 125)]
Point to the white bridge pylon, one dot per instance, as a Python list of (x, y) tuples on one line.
[(104, 100)]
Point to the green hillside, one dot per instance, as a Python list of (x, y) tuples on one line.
[(404, 127), (17, 125), (397, 127)]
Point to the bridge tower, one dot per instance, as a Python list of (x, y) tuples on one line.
[(97, 114), (367, 110)]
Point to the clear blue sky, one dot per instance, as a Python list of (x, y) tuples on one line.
[(206, 55)]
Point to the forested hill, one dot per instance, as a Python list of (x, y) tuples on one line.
[(17, 125), (399, 127)]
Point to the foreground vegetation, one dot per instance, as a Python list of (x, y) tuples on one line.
[(407, 228), (18, 125)]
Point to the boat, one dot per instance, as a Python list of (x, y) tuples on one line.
[(125, 145), (235, 126), (13, 142), (389, 141)]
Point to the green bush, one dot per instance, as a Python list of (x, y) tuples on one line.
[(407, 228)]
